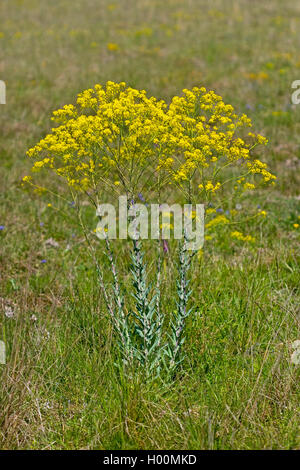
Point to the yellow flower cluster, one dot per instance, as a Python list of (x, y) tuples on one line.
[(210, 187), (219, 220), (117, 136), (244, 238), (205, 142), (112, 134), (259, 167)]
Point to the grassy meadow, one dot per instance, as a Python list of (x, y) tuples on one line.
[(237, 388)]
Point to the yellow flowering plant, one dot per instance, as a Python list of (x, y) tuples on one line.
[(117, 140)]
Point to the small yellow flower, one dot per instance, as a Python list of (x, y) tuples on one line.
[(243, 238), (261, 139), (262, 213), (111, 46), (249, 186), (210, 187), (296, 225), (111, 6), (165, 225), (27, 179), (210, 211)]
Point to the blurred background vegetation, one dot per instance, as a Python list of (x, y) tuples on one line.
[(59, 388)]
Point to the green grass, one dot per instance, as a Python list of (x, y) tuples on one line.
[(238, 388)]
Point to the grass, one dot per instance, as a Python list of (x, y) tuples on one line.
[(238, 388)]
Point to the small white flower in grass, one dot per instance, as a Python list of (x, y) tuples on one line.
[(52, 242), (295, 357), (48, 405), (8, 311)]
